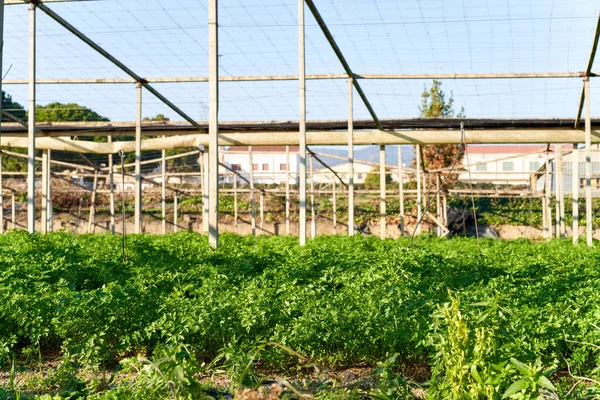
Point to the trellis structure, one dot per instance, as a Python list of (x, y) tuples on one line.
[(209, 137)]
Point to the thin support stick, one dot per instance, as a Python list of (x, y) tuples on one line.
[(576, 185)]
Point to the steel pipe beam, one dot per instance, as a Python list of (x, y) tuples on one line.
[(262, 78), (115, 61), (492, 136)]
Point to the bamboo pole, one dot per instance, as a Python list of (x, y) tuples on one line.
[(419, 191), (438, 205), (576, 186), (92, 219), (313, 219), (547, 194), (44, 193), (401, 189), (175, 212), (49, 211), (262, 211), (252, 197), (204, 182), (163, 190), (287, 190), (235, 204), (13, 206), (561, 188), (382, 199), (111, 187), (334, 190)]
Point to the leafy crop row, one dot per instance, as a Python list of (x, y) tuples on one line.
[(505, 319)]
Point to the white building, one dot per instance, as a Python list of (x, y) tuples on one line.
[(503, 164), (269, 163), (324, 175)]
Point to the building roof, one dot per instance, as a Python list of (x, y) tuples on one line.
[(511, 149), (260, 149)]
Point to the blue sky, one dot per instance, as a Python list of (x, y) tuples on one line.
[(161, 38)]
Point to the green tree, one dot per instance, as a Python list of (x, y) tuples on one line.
[(434, 104), (13, 164), (67, 112), (13, 108), (372, 178)]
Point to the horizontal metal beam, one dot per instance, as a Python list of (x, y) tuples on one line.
[(15, 2), (169, 128), (115, 61), (375, 137), (259, 78)]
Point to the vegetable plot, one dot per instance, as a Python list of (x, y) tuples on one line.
[(506, 320)]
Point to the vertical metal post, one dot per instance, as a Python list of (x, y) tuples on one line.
[(589, 229), (418, 179), (31, 124), (111, 187), (175, 211), (382, 188), (334, 206), (401, 189), (302, 122), (287, 190), (44, 192), (252, 197), (213, 123), (138, 160), (235, 204), (547, 193), (1, 60), (163, 189), (205, 180), (350, 158), (313, 219), (576, 186)]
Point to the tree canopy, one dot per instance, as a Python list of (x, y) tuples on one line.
[(434, 104), (13, 108), (372, 178), (66, 112)]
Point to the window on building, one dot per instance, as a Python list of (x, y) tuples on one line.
[(236, 167), (508, 166), (481, 167), (265, 167), (283, 167), (254, 167), (534, 165), (360, 176)]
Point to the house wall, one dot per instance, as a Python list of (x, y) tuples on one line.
[(515, 170), (273, 161)]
